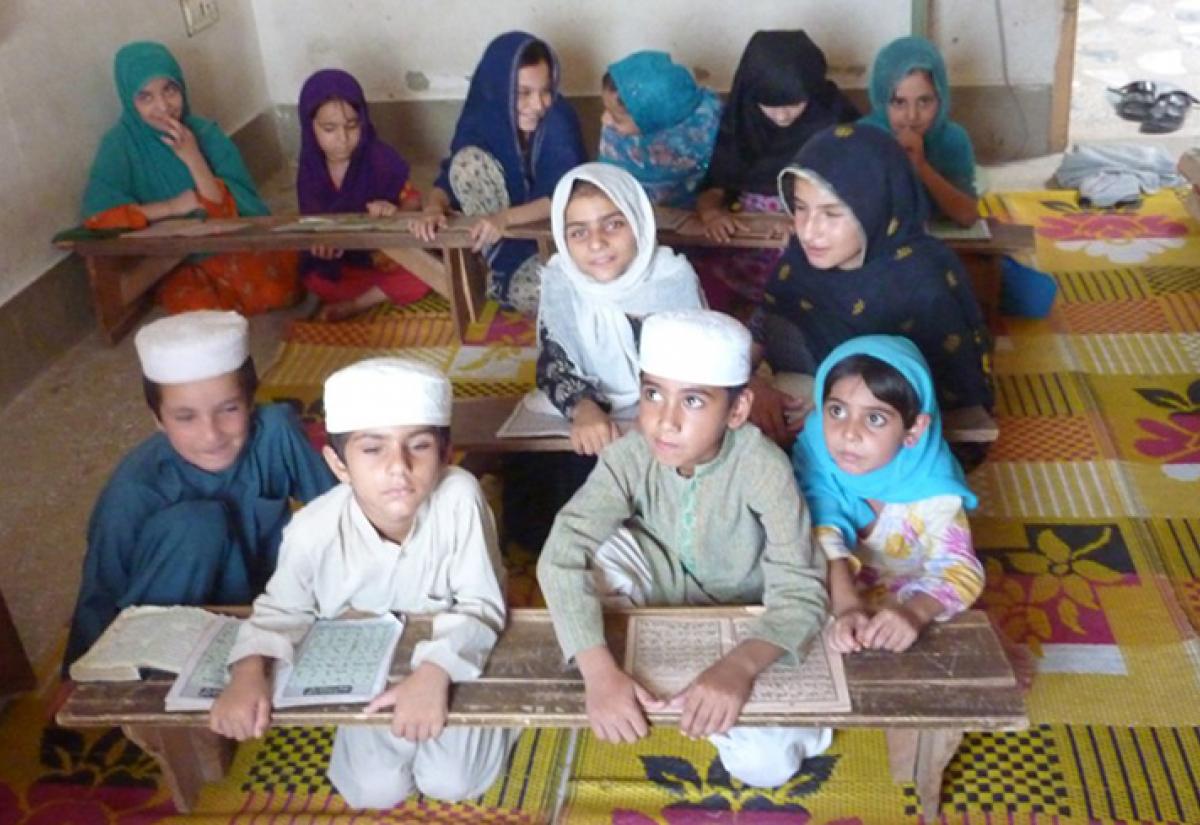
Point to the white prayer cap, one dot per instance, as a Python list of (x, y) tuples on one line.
[(696, 346), (386, 392), (192, 346)]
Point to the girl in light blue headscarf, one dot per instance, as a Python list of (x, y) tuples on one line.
[(910, 98), (887, 498), (659, 126)]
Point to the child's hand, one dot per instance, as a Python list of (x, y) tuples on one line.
[(182, 141), (913, 144), (712, 702), (186, 202), (893, 629), (382, 209), (615, 702), (591, 428), (325, 253), (420, 703), (721, 226), (427, 225), (846, 632), (243, 710), (489, 229), (777, 414)]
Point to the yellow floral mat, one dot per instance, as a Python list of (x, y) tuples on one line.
[(1089, 528)]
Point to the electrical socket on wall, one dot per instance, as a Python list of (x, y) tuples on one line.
[(198, 15)]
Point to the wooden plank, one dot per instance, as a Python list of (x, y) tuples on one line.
[(920, 756), (526, 683), (969, 425), (16, 674), (425, 266), (189, 757), (1064, 71)]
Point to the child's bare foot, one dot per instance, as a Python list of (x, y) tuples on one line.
[(342, 310)]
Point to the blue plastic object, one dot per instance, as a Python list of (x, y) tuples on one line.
[(1025, 292)]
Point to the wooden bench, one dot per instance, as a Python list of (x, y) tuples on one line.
[(955, 679), (123, 270)]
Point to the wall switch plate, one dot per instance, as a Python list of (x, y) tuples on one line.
[(198, 15)]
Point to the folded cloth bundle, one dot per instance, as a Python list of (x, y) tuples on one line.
[(1112, 173)]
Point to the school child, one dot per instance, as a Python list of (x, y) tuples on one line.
[(696, 507), (345, 167), (910, 98), (888, 499), (194, 514), (779, 99), (609, 274), (515, 138), (659, 125), (403, 531), (161, 161), (862, 263)]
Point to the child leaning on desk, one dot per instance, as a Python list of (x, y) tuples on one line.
[(404, 531), (695, 507)]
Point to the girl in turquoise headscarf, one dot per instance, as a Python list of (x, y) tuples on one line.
[(659, 126), (887, 498), (161, 161), (910, 98)]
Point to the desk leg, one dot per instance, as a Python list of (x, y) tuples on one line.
[(920, 756), (468, 279), (121, 289), (987, 275), (188, 756)]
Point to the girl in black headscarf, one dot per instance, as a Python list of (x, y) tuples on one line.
[(779, 99)]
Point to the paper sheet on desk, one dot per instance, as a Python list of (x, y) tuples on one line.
[(535, 417), (345, 223), (948, 231)]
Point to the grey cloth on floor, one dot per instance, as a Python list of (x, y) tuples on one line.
[(1109, 174)]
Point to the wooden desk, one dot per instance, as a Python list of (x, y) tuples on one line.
[(955, 679), (981, 257), (123, 270), (475, 422)]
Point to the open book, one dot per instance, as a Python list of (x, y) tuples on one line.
[(665, 653), (156, 638), (947, 230), (339, 661), (345, 223), (535, 417)]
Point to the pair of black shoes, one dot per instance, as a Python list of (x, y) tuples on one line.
[(1158, 112)]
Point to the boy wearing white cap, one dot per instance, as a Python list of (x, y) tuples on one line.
[(406, 532), (194, 514), (695, 507)]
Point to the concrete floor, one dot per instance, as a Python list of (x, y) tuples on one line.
[(62, 436)]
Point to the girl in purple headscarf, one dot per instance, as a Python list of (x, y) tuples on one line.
[(345, 167)]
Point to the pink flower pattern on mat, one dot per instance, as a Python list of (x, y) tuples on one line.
[(56, 803), (1175, 441), (1078, 226)]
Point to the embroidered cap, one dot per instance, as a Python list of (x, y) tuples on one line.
[(192, 346), (697, 346), (386, 392)]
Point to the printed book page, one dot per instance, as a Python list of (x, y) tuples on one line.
[(205, 674), (345, 223), (535, 417), (950, 231), (160, 638), (665, 653), (340, 661)]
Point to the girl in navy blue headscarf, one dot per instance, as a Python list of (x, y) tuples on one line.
[(862, 263), (515, 138)]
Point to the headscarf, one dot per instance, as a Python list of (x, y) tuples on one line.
[(909, 282), (778, 68), (947, 145), (588, 318), (920, 471), (376, 171), (133, 165), (489, 122), (677, 122)]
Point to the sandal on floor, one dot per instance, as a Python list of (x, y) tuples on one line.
[(1168, 113), (1136, 99)]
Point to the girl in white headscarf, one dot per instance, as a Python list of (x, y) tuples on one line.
[(609, 274)]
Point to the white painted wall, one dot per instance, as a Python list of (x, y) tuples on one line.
[(57, 97), (383, 41)]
